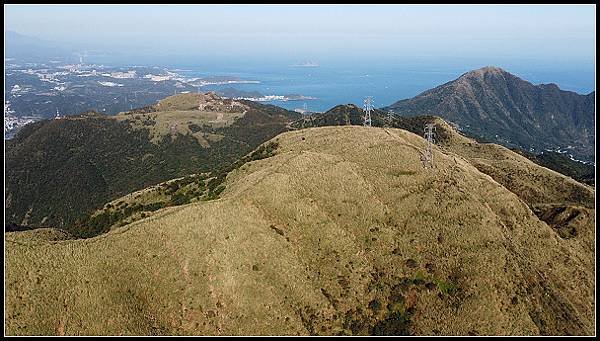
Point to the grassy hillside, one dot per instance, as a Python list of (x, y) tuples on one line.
[(341, 231), (144, 203), (566, 205), (584, 173), (350, 114), (60, 171)]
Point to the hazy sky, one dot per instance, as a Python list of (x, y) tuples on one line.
[(297, 32)]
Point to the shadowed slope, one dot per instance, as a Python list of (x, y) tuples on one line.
[(59, 171), (503, 108)]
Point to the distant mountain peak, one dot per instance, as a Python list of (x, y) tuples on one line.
[(485, 72), (492, 69), (194, 101), (349, 105), (344, 108), (553, 86), (504, 108), (489, 70)]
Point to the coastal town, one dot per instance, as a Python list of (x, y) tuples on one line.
[(36, 91)]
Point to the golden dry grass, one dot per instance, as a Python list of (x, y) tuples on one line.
[(305, 242), (540, 188), (178, 122), (174, 115)]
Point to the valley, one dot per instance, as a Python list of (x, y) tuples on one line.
[(59, 171)]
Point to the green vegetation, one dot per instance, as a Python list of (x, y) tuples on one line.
[(396, 323), (584, 173), (215, 184), (350, 114), (445, 287), (196, 187), (101, 223), (59, 172)]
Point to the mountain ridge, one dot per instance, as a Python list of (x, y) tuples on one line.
[(167, 127), (340, 232), (350, 114), (501, 107), (58, 171)]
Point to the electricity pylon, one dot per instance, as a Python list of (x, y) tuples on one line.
[(368, 108), (429, 135)]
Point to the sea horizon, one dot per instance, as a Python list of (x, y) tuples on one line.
[(333, 83)]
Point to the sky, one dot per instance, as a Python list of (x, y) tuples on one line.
[(554, 33)]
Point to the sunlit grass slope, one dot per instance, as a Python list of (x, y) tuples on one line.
[(342, 231)]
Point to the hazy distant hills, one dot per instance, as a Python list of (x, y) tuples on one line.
[(505, 109), (58, 171), (32, 49), (333, 231)]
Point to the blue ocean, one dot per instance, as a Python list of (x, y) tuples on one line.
[(339, 82)]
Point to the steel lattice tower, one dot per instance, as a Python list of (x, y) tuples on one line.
[(368, 108), (429, 135)]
